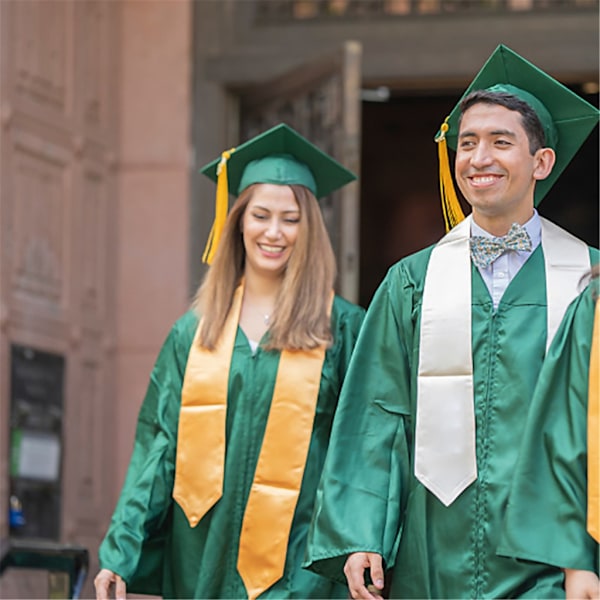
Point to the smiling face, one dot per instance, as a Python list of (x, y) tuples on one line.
[(495, 169), (270, 228)]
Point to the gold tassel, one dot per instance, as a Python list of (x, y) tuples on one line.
[(221, 206), (451, 208)]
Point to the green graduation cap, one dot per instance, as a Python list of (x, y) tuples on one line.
[(279, 155), (567, 118), (282, 156)]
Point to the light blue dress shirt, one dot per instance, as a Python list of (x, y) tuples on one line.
[(500, 273)]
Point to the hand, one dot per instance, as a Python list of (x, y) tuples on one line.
[(103, 582), (581, 585), (354, 569)]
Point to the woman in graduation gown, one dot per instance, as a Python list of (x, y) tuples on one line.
[(233, 431), (553, 510)]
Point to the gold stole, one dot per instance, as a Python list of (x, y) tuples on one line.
[(593, 517), (278, 477), (201, 432), (276, 486)]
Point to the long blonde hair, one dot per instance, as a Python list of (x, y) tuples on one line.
[(301, 319)]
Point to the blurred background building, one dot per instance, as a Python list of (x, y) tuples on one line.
[(107, 110)]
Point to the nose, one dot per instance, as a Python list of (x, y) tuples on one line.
[(481, 156), (274, 228)]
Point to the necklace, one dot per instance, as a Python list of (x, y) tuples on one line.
[(266, 317), (258, 310)]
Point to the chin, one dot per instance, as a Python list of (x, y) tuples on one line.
[(271, 270)]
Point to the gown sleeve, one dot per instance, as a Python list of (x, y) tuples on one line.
[(359, 509), (545, 520), (132, 547)]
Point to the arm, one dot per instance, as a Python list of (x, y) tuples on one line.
[(581, 585), (362, 491), (145, 501), (550, 526)]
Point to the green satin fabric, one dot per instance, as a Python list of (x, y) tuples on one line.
[(149, 541), (546, 515), (369, 499)]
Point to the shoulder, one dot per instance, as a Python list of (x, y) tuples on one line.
[(345, 313), (576, 328), (341, 306), (189, 320), (408, 272), (183, 330), (551, 226), (584, 306), (176, 346)]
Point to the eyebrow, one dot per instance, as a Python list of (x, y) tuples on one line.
[(507, 132), (291, 210)]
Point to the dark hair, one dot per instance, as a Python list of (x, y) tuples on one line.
[(529, 119)]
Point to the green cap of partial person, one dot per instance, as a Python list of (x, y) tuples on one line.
[(280, 156), (566, 118)]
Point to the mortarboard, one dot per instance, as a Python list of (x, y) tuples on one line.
[(567, 118), (279, 155)]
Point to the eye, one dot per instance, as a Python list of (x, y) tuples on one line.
[(260, 216), (292, 219), (466, 144), (502, 142)]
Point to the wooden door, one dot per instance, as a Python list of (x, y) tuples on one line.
[(321, 100)]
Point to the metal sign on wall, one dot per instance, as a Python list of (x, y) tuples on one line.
[(36, 431)]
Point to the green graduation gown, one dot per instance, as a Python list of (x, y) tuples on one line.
[(150, 542), (547, 509), (369, 499)]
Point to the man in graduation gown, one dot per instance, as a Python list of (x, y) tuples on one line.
[(554, 505), (427, 433)]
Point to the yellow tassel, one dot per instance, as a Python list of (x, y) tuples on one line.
[(451, 208), (221, 206)]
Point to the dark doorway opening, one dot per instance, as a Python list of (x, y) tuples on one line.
[(400, 206)]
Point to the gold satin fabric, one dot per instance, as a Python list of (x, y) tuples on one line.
[(200, 457), (593, 518), (276, 486), (280, 469)]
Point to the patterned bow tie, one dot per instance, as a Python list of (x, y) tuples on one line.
[(485, 250)]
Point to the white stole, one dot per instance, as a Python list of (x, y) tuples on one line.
[(445, 458)]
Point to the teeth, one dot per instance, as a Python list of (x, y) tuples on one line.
[(271, 248), (484, 179)]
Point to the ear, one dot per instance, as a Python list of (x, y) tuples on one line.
[(545, 159)]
